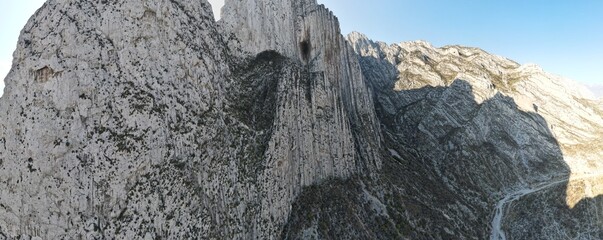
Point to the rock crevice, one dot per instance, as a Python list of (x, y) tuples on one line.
[(147, 119)]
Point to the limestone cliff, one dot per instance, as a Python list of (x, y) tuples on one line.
[(134, 119), (418, 64), (110, 115), (144, 119), (488, 128), (309, 34)]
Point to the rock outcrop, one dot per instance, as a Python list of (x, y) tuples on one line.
[(147, 119), (110, 116), (417, 64), (133, 119), (486, 126), (309, 34)]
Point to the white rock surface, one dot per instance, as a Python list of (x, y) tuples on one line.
[(327, 126), (487, 127), (94, 123), (570, 109), (147, 119), (131, 119)]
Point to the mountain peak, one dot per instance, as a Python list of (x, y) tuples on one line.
[(148, 120), (146, 114), (416, 44)]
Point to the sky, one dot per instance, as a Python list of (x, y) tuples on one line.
[(563, 37), (13, 16)]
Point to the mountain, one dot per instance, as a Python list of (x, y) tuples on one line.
[(147, 119), (493, 132), (418, 64)]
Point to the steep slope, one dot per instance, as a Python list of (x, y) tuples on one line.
[(418, 64), (146, 119), (104, 117), (134, 119), (509, 136), (439, 180), (454, 148), (309, 34)]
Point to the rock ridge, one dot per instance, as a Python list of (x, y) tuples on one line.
[(143, 119), (138, 119)]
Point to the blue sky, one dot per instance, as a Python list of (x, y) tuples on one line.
[(13, 16), (564, 37)]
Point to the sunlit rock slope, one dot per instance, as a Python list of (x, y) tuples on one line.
[(146, 119)]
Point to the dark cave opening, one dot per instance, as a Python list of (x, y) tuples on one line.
[(305, 48)]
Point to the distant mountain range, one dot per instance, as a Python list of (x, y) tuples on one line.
[(147, 119)]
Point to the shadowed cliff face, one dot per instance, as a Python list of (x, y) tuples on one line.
[(439, 181), (418, 64), (142, 119), (146, 119), (547, 215), (487, 146)]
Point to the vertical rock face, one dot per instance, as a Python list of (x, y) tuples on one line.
[(112, 121), (486, 126), (146, 119), (132, 119), (309, 34), (325, 125), (416, 65)]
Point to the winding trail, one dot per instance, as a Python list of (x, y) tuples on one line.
[(501, 206)]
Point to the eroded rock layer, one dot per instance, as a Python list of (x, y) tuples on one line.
[(485, 128), (146, 119), (132, 119)]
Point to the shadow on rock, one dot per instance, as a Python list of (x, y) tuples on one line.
[(447, 161)]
